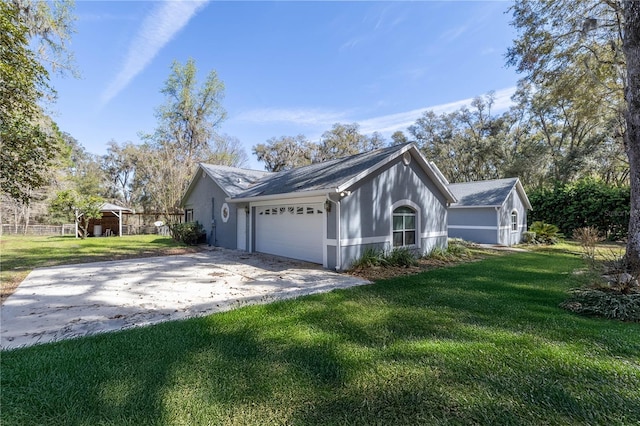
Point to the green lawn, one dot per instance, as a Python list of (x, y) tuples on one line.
[(479, 343), (20, 254)]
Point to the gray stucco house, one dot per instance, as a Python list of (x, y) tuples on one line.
[(489, 212), (326, 213)]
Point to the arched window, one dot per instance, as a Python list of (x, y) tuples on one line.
[(514, 221), (404, 227)]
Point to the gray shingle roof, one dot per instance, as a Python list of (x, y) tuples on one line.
[(233, 180), (483, 193), (320, 176)]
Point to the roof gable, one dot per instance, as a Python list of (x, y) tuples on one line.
[(487, 193), (338, 174), (232, 180)]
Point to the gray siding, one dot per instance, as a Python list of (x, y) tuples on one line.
[(495, 226), (331, 222), (481, 216), (219, 233), (481, 236), (331, 257), (480, 224), (366, 213)]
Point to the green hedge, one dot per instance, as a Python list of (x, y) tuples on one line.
[(190, 233), (584, 203)]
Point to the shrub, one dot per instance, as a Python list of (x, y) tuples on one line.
[(458, 247), (588, 237), (401, 256), (582, 204), (624, 307), (545, 233), (529, 237), (190, 233), (370, 257)]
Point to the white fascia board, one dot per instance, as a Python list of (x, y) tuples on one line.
[(191, 186), (194, 181), (523, 196), (285, 196), (483, 206), (436, 176)]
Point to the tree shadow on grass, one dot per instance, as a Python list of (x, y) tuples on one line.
[(465, 345)]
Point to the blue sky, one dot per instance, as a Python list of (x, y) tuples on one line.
[(288, 67)]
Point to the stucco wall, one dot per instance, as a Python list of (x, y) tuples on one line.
[(513, 202), (366, 214), (206, 195)]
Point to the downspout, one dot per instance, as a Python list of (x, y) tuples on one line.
[(498, 225), (338, 238)]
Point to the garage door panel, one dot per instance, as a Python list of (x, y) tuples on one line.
[(292, 231)]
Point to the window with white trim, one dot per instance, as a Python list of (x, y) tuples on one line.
[(514, 221), (404, 227), (188, 215)]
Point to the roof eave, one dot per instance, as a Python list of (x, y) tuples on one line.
[(283, 196), (478, 206)]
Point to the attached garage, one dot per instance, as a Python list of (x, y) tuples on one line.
[(292, 230)]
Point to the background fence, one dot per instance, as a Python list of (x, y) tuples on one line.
[(69, 229)]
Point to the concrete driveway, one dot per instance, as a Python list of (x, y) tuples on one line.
[(78, 300)]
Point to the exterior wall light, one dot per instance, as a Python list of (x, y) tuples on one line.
[(327, 205), (246, 209)]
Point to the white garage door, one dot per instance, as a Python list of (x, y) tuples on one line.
[(292, 231)]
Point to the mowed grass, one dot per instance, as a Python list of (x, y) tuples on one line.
[(479, 343), (20, 254)]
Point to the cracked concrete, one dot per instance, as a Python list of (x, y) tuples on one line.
[(70, 301)]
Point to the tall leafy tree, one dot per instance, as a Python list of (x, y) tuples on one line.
[(29, 141), (119, 167), (467, 144), (184, 136), (50, 25), (226, 150), (343, 140), (592, 46), (285, 152), (77, 207)]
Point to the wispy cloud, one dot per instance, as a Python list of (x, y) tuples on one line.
[(318, 120), (388, 124), (300, 117), (157, 29), (453, 33), (98, 17)]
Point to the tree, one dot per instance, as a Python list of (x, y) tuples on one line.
[(399, 138), (285, 153), (631, 49), (344, 140), (49, 25), (226, 150), (564, 45), (184, 135), (190, 113), (467, 144), (29, 141), (77, 207), (119, 166)]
